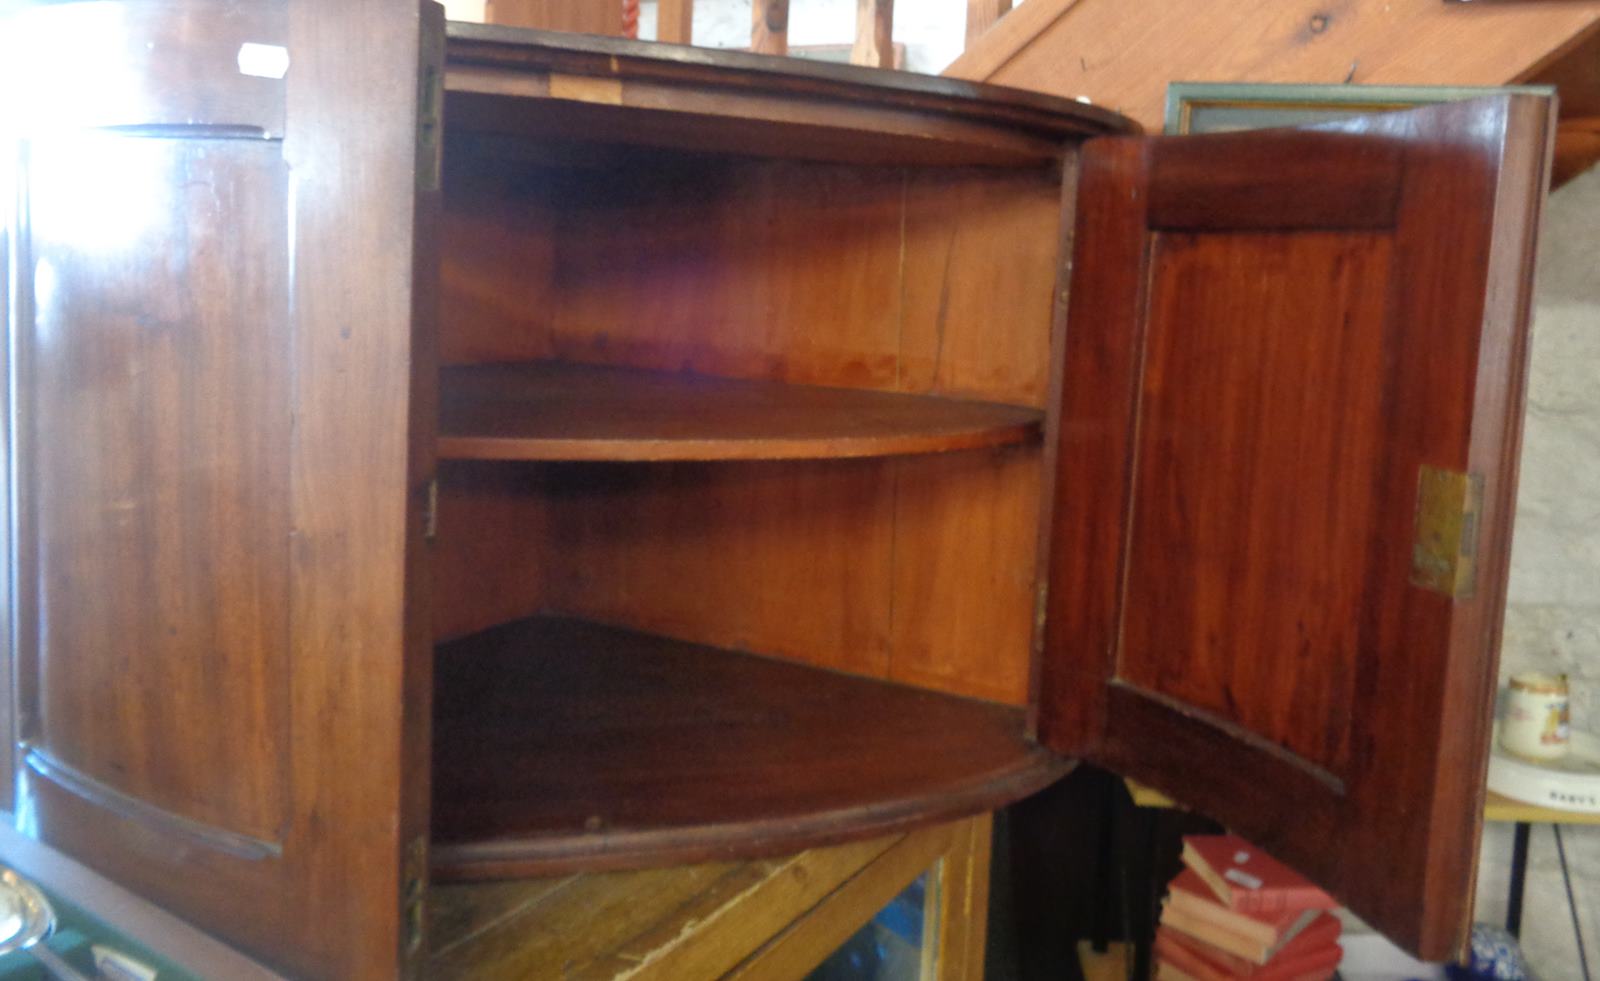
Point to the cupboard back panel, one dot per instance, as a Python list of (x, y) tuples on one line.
[(911, 280), (795, 561), (926, 281), (965, 551), (496, 260), (489, 556), (865, 566), (152, 437)]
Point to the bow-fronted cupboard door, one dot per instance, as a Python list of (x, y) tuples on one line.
[(218, 436), (1287, 457)]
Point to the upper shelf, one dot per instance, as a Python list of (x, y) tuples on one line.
[(515, 81), (550, 411)]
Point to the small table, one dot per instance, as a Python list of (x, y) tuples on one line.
[(1496, 807)]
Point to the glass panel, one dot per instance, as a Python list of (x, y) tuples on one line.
[(889, 947)]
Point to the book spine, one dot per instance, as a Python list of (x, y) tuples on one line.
[(1280, 900), (1252, 951), (1219, 961), (1223, 918), (1193, 859), (1167, 971)]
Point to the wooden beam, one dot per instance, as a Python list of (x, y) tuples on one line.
[(1122, 55), (1014, 32), (982, 14), (1577, 148), (675, 21), (582, 16), (1574, 70), (874, 34), (769, 26)]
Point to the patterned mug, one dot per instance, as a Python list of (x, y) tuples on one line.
[(1537, 724)]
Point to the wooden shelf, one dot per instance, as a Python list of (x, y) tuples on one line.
[(548, 411), (562, 745)]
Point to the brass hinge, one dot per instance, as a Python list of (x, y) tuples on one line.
[(1444, 553), (430, 111)]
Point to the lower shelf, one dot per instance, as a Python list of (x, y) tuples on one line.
[(562, 745)]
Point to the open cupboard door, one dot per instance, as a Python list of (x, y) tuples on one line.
[(1287, 454)]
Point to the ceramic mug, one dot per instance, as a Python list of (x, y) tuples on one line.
[(1537, 723)]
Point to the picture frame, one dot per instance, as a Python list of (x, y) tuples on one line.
[(1217, 107)]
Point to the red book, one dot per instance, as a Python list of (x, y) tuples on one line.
[(1190, 900), (1167, 971), (1247, 879), (1315, 951), (1304, 928)]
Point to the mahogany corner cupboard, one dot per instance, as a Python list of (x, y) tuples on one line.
[(475, 453)]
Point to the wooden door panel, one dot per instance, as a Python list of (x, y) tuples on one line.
[(153, 422), (220, 350), (1271, 338), (1248, 343), (152, 438)]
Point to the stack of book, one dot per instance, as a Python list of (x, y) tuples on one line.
[(1235, 912)]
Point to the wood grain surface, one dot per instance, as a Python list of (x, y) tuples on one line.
[(1261, 402), (500, 80), (150, 66), (1123, 57), (549, 411), (198, 358), (768, 919), (693, 921), (926, 283), (865, 566), (563, 745)]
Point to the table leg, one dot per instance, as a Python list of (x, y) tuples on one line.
[(1572, 902), (1519, 878)]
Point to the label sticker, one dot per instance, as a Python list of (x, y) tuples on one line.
[(263, 60)]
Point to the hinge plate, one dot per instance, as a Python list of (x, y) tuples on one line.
[(430, 111), (1444, 553)]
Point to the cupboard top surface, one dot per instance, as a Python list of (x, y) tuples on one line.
[(538, 83)]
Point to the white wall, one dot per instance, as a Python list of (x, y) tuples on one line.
[(1553, 615), (464, 10)]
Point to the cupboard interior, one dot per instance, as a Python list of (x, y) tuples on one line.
[(739, 507)]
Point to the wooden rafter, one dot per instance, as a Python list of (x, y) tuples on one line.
[(675, 21), (1122, 55), (982, 14), (874, 43), (769, 26)]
